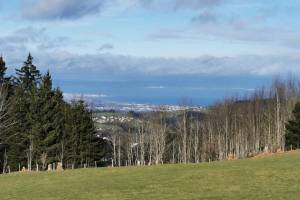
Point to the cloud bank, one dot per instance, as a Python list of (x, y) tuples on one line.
[(178, 5), (50, 54), (60, 9), (75, 9), (95, 66)]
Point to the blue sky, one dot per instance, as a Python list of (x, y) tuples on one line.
[(155, 37)]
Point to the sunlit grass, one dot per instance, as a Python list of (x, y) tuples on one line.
[(274, 177)]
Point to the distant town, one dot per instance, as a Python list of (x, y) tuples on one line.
[(126, 107), (96, 103)]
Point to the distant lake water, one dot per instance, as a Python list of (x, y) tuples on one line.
[(171, 90)]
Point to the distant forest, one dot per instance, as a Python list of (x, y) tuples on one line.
[(38, 128)]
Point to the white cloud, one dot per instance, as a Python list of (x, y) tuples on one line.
[(95, 66), (83, 96)]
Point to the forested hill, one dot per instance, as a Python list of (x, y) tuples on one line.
[(37, 126)]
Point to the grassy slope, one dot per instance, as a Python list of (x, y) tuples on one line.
[(275, 177)]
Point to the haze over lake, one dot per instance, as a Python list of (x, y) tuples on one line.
[(171, 90)]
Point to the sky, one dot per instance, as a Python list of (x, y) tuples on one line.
[(108, 39)]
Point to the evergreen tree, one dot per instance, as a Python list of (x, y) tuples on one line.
[(52, 119), (24, 109), (28, 76), (3, 69), (46, 128), (5, 82), (16, 137), (80, 129), (45, 95), (58, 147), (293, 128)]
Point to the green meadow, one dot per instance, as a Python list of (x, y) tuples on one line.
[(272, 177)]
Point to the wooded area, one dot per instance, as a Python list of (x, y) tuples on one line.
[(39, 128), (235, 128)]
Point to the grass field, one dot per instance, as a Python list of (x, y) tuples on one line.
[(274, 177)]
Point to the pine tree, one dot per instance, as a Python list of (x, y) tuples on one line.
[(293, 129), (5, 81), (46, 128), (46, 111), (3, 69), (52, 119), (80, 129), (28, 76), (24, 109), (58, 123), (16, 137)]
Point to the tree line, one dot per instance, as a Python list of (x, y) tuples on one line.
[(241, 127), (37, 127)]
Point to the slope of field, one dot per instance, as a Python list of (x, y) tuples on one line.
[(273, 177)]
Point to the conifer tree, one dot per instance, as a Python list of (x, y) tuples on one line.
[(80, 129), (52, 119), (293, 129), (5, 81), (17, 138), (3, 69), (28, 76), (58, 147), (46, 128), (25, 112)]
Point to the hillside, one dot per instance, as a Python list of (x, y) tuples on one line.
[(274, 177)]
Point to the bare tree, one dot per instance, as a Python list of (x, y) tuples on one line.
[(44, 160), (5, 124)]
